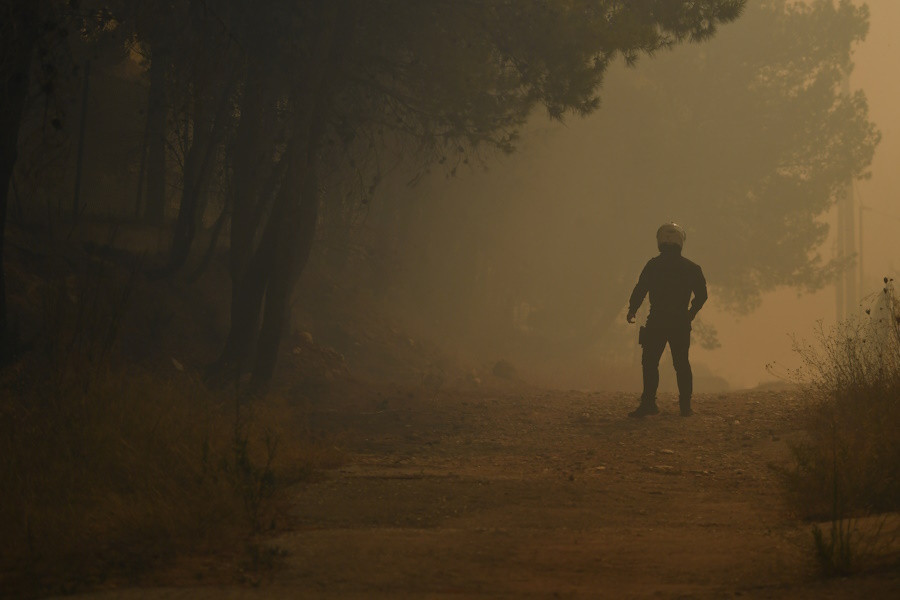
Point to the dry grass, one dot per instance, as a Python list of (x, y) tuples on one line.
[(125, 476), (111, 471), (108, 479), (848, 463)]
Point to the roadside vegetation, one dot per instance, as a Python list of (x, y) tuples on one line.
[(113, 468), (846, 468)]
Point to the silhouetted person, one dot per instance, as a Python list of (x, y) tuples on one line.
[(670, 279)]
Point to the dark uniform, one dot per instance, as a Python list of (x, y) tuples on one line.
[(670, 279)]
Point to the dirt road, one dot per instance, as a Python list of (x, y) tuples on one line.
[(524, 493)]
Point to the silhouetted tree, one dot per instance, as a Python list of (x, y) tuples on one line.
[(20, 29), (747, 139), (153, 25), (446, 77), (277, 95), (33, 45)]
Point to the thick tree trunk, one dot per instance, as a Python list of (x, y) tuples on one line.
[(269, 272), (218, 226), (186, 222), (248, 265), (297, 233), (157, 110), (246, 302), (19, 35), (247, 164), (82, 129), (252, 272), (290, 229), (198, 167), (293, 237)]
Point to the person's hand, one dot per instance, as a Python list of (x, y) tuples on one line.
[(630, 317)]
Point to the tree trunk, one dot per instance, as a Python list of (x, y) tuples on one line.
[(297, 233), (248, 266), (213, 241), (82, 129), (208, 132), (247, 164), (18, 35), (251, 273), (290, 229), (246, 302), (268, 272), (186, 222), (157, 110)]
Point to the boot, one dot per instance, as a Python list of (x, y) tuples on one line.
[(647, 407), (685, 405)]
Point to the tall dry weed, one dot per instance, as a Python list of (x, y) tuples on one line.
[(852, 384), (848, 464), (110, 470)]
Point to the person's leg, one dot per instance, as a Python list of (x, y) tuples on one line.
[(653, 347), (679, 343)]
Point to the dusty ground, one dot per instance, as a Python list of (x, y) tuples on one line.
[(522, 493)]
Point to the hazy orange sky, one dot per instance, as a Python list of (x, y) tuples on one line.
[(749, 343)]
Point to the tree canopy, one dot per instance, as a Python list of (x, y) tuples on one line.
[(747, 140), (268, 102)]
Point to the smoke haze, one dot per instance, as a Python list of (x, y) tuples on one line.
[(557, 232)]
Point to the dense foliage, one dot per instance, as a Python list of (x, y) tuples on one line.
[(264, 106), (748, 140)]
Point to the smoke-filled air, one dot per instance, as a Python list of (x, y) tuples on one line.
[(486, 298)]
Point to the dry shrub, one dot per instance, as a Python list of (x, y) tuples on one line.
[(109, 478), (848, 462), (110, 470)]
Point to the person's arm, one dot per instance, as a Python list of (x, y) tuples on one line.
[(700, 294), (637, 295)]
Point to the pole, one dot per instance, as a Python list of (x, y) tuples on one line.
[(847, 284), (851, 283), (839, 288), (862, 279)]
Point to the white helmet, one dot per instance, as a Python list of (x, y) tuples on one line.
[(670, 233)]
